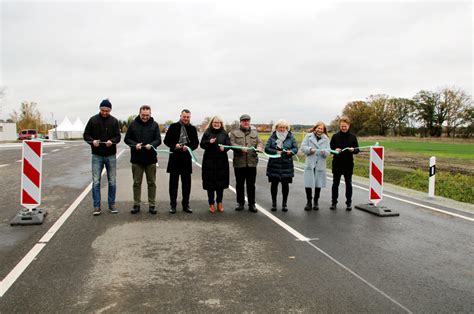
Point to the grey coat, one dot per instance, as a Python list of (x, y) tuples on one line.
[(315, 165)]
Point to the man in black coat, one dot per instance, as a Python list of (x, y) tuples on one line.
[(345, 143), (102, 132), (143, 136), (180, 137)]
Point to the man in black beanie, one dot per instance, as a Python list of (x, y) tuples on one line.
[(102, 132)]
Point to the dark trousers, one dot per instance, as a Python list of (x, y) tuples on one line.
[(246, 175), (336, 179), (218, 193), (285, 189), (309, 192), (185, 188)]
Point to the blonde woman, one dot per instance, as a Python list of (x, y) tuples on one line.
[(215, 163), (316, 148), (281, 169)]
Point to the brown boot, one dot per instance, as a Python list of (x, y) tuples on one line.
[(211, 208), (220, 208)]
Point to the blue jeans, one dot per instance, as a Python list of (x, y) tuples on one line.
[(98, 163)]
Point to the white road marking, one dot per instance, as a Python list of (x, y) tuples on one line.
[(19, 160), (16, 272), (8, 281), (55, 150), (301, 237), (1, 166), (44, 154)]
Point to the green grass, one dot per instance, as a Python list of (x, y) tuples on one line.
[(440, 149), (458, 187)]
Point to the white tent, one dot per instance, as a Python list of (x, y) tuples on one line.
[(66, 130)]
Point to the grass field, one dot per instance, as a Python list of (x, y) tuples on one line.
[(407, 159)]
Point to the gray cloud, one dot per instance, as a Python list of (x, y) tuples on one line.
[(303, 63)]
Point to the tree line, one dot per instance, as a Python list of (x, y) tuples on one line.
[(447, 111)]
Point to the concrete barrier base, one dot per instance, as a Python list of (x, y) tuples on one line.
[(381, 211), (26, 217)]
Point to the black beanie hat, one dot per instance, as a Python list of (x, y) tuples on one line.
[(106, 103)]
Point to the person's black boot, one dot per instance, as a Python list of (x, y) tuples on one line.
[(252, 208), (315, 204), (152, 210), (135, 210), (309, 205), (284, 207), (274, 207), (239, 207)]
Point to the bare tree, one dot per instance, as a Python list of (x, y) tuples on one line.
[(457, 103)]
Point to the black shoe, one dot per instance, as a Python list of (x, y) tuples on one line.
[(152, 210), (188, 210), (284, 208), (135, 210), (316, 206), (173, 210), (308, 206), (333, 206), (239, 207), (252, 208), (349, 207), (274, 208)]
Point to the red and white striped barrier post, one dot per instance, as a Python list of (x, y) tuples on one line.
[(376, 174), (31, 171), (376, 185)]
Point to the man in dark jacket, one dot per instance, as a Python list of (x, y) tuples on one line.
[(345, 143), (180, 137), (143, 136), (102, 132)]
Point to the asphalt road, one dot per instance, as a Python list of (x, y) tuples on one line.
[(318, 261)]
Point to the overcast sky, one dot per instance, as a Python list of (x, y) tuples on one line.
[(302, 63)]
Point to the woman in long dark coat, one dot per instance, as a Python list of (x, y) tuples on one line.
[(215, 163), (281, 169)]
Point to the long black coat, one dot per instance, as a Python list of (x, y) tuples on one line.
[(281, 167), (215, 163), (180, 161), (344, 162), (145, 133)]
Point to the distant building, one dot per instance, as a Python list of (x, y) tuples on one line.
[(8, 131)]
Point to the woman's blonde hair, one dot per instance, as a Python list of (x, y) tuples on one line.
[(345, 119), (209, 125), (281, 122), (319, 123)]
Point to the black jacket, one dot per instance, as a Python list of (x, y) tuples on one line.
[(215, 163), (145, 133), (102, 129), (344, 162), (180, 161), (281, 167)]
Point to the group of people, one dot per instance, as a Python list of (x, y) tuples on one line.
[(143, 136)]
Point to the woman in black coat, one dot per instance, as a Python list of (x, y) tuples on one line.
[(281, 169), (215, 163)]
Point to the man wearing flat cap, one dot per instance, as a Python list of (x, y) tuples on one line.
[(102, 132), (245, 161)]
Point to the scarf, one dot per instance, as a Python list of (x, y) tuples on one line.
[(183, 136), (281, 136)]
